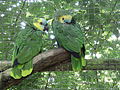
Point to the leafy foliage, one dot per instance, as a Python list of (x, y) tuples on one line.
[(99, 20)]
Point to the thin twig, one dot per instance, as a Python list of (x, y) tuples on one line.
[(46, 86), (111, 18), (20, 12)]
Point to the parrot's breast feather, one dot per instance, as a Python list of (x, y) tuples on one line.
[(69, 36)]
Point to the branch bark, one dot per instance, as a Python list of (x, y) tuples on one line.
[(57, 60)]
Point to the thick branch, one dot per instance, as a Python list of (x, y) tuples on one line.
[(57, 60)]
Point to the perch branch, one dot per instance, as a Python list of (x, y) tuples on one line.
[(57, 60)]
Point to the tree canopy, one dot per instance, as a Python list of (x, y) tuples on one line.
[(99, 20)]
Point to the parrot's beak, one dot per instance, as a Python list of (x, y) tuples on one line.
[(46, 27), (67, 21), (70, 21)]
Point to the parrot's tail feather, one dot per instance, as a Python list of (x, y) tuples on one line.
[(76, 63), (23, 70), (83, 58), (16, 72), (27, 68), (83, 61)]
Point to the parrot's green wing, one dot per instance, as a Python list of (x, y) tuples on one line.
[(70, 37), (27, 45)]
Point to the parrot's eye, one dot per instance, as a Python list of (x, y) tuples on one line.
[(62, 18), (41, 23), (46, 24)]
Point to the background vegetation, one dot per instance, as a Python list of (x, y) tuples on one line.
[(100, 21)]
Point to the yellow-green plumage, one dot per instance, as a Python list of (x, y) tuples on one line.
[(28, 44), (70, 36)]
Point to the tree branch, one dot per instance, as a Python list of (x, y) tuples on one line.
[(20, 12), (57, 60)]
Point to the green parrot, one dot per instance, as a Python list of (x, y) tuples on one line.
[(69, 36), (28, 44)]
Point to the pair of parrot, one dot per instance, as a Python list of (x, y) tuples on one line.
[(29, 43)]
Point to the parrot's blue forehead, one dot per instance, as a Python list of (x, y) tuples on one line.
[(44, 21)]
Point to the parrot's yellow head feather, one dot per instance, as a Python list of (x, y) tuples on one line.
[(40, 23), (64, 16), (65, 19)]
